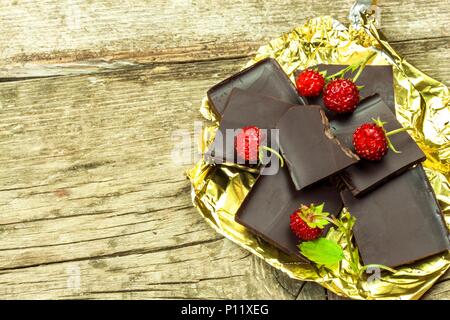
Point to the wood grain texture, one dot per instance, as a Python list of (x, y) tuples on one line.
[(181, 30), (92, 94), (312, 291), (177, 273), (88, 184), (418, 52)]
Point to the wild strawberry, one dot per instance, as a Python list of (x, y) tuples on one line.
[(247, 143), (301, 229), (307, 223), (341, 96), (372, 142), (310, 83)]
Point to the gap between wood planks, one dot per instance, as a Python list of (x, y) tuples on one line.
[(415, 49)]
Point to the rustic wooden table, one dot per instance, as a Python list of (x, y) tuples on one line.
[(91, 205)]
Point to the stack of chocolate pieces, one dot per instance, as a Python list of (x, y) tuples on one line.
[(398, 219)]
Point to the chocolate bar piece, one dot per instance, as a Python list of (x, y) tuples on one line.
[(399, 223), (367, 175), (311, 151), (374, 79), (264, 77), (245, 109), (267, 208)]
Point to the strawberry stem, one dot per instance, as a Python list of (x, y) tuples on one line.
[(391, 146), (271, 151), (323, 73), (339, 73), (362, 65), (381, 124), (348, 239), (358, 74), (390, 133)]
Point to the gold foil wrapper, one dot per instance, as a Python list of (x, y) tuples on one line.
[(421, 102)]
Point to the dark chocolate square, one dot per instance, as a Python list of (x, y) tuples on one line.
[(265, 77), (267, 208), (399, 223), (245, 109), (310, 150), (367, 175), (374, 79)]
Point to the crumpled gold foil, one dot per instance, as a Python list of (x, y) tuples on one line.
[(421, 102)]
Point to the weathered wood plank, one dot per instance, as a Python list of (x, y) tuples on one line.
[(290, 285), (87, 180), (429, 55), (181, 30), (82, 150), (87, 185), (440, 291), (178, 273), (312, 291)]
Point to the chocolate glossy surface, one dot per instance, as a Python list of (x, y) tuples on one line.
[(367, 175), (267, 208), (399, 223), (245, 109), (265, 77), (310, 150)]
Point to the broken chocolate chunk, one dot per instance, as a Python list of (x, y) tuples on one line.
[(311, 151), (267, 208), (244, 109), (265, 77), (367, 175), (399, 223)]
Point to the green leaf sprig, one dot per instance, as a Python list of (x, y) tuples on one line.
[(381, 124), (314, 216), (358, 65), (322, 251), (328, 253)]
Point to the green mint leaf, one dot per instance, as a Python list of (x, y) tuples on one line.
[(322, 251)]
